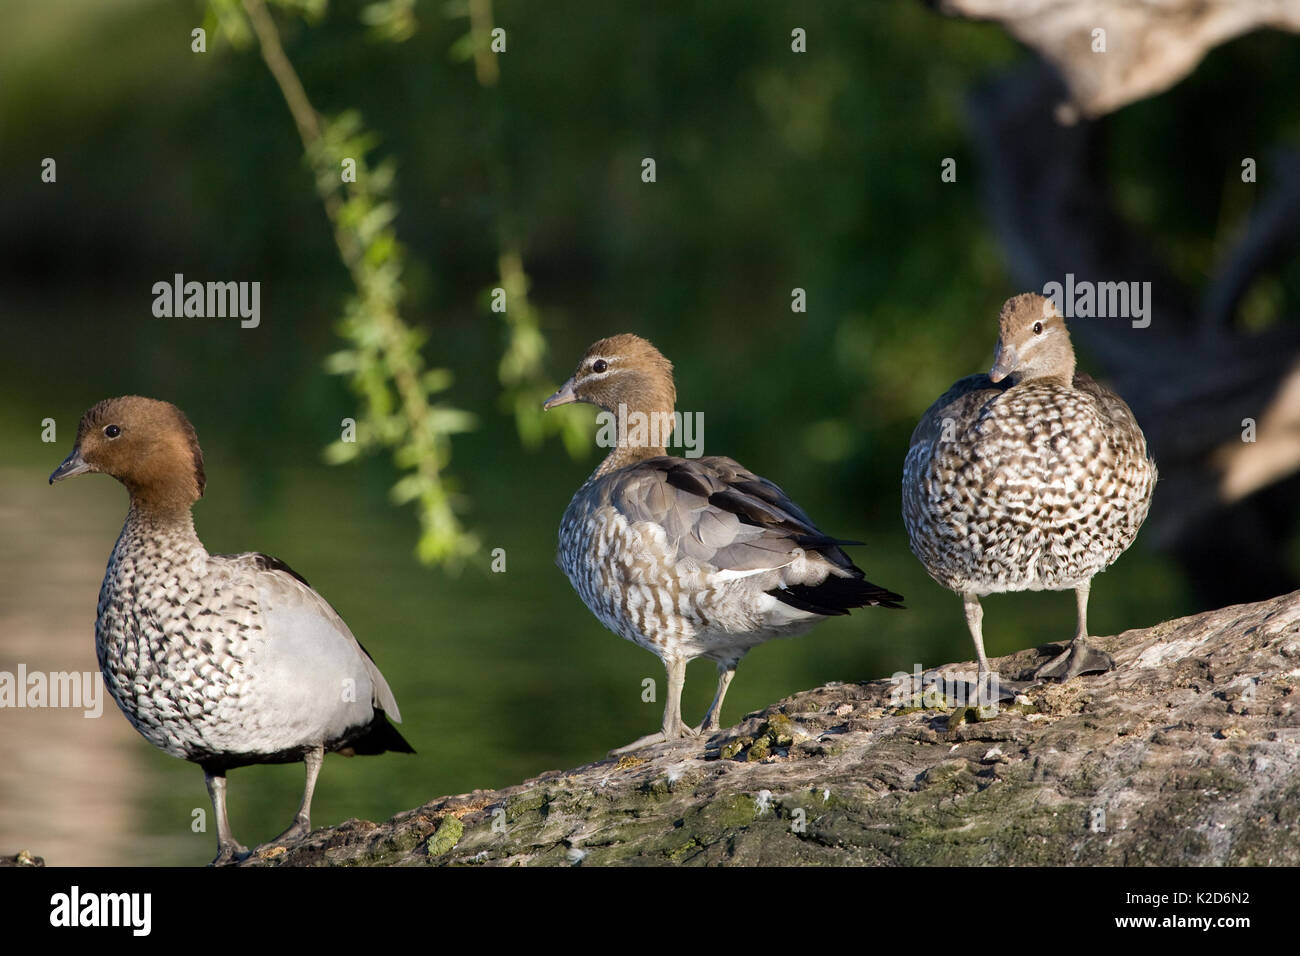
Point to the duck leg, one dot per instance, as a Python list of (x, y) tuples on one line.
[(975, 622), (988, 688), (712, 719), (1079, 657), (301, 825), (229, 850), (673, 728)]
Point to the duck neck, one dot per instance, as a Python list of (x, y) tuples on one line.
[(634, 433), (1063, 377), (1055, 366), (169, 531)]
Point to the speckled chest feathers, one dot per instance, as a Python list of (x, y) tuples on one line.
[(172, 635), (641, 580), (1038, 486)]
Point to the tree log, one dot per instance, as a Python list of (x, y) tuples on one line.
[(1188, 753), (1148, 47)]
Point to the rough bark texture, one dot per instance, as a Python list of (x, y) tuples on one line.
[(1149, 46), (1186, 753)]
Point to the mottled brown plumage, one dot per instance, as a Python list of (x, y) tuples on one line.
[(691, 557), (1033, 477)]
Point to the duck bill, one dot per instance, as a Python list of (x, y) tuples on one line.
[(73, 465), (1004, 362), (562, 397)]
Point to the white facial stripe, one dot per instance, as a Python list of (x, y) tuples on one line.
[(590, 376), (1036, 340)]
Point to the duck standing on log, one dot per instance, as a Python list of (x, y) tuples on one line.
[(225, 660), (1030, 478), (690, 557)]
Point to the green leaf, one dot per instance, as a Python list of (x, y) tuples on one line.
[(407, 489), (341, 452)]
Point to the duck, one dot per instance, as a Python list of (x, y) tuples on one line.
[(224, 660), (689, 557), (1030, 477)]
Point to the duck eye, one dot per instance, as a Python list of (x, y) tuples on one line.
[(1038, 328), (112, 431), (599, 365)]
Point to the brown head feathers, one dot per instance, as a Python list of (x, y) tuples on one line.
[(1033, 342), (147, 444), (628, 377), (622, 369)]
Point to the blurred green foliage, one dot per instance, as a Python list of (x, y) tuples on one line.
[(775, 170), (384, 364)]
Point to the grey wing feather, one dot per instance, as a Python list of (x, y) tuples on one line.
[(277, 578), (715, 511)]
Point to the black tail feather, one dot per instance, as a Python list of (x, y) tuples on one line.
[(380, 737), (837, 595), (814, 541)]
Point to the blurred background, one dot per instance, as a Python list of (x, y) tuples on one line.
[(775, 170)]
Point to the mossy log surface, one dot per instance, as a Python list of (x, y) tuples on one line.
[(1186, 754)]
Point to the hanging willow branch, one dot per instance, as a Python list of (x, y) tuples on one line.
[(521, 372), (382, 362)]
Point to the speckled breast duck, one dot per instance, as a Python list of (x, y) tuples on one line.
[(225, 660), (690, 557), (1032, 477)]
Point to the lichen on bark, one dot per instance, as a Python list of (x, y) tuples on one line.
[(1186, 754)]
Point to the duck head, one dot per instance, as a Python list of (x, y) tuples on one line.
[(622, 369), (1033, 342), (146, 444)]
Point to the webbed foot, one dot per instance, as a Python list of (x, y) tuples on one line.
[(1079, 657), (656, 738), (300, 827), (231, 852)]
